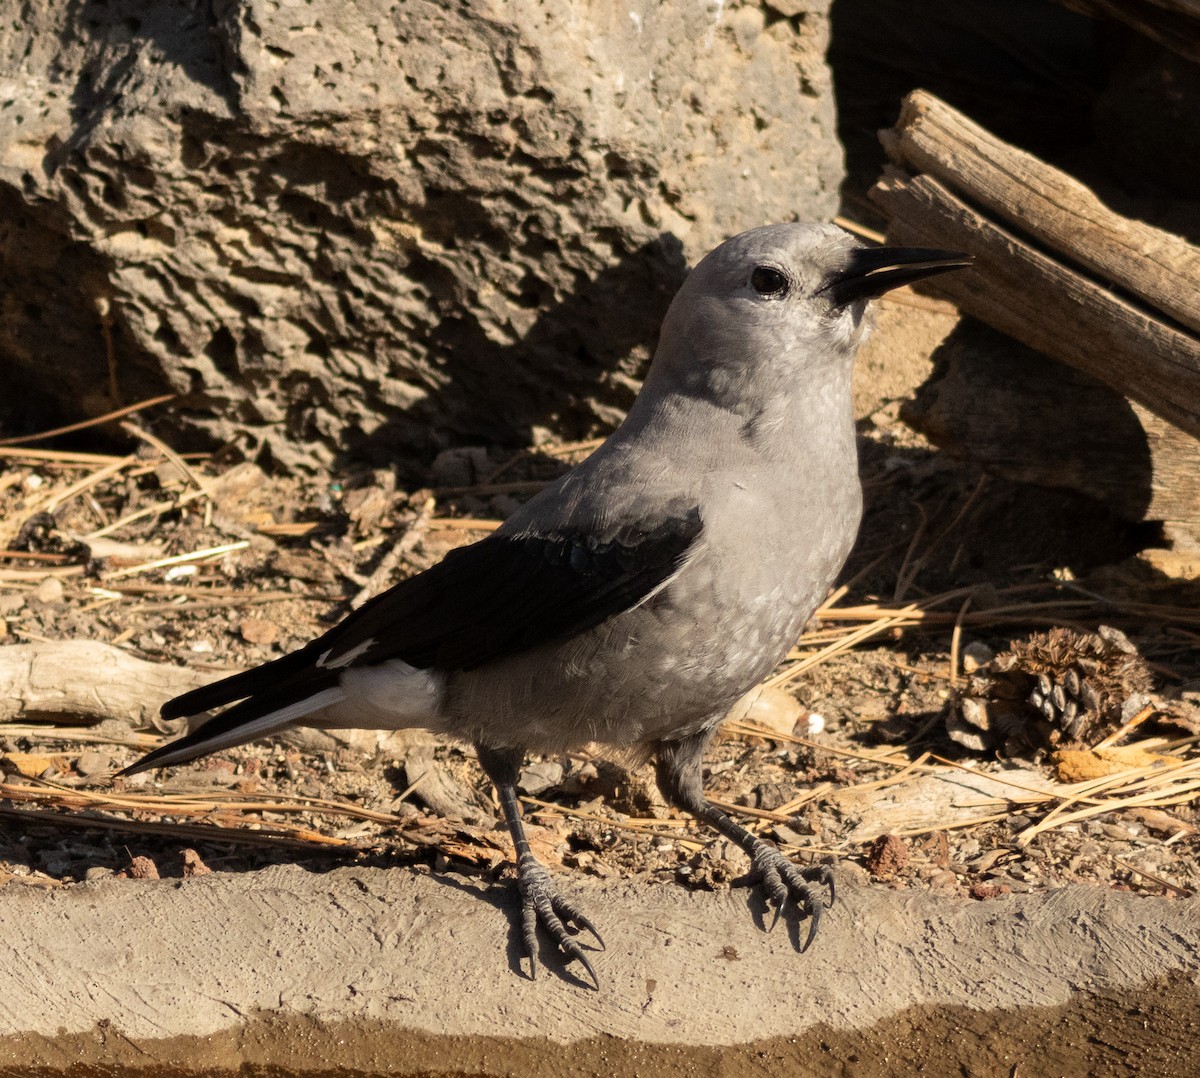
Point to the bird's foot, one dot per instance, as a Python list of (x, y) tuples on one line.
[(542, 904), (781, 880)]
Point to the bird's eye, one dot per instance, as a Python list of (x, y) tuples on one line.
[(767, 281)]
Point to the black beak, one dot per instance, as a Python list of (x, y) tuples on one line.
[(874, 270)]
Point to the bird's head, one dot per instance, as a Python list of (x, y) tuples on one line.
[(783, 298)]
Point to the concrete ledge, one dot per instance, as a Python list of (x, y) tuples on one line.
[(394, 972)]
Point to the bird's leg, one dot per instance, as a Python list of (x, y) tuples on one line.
[(540, 900), (679, 779)]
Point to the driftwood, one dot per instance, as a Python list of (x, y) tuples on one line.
[(1047, 206), (86, 682), (1174, 23), (1036, 297)]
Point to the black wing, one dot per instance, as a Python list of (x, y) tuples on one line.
[(482, 602)]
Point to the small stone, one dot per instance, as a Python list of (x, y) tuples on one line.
[(541, 776), (92, 762), (888, 856), (193, 865), (810, 725), (11, 601), (986, 861), (49, 591), (943, 882), (774, 709), (140, 868), (259, 631), (975, 655), (787, 835), (462, 466)]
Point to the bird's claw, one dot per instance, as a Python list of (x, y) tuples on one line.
[(781, 880), (542, 904)]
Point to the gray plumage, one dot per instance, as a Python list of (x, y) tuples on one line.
[(633, 601)]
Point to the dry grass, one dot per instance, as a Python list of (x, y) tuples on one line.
[(836, 630)]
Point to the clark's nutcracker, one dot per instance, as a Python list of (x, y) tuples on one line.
[(633, 601)]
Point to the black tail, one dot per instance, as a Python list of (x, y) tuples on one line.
[(272, 697), (238, 686)]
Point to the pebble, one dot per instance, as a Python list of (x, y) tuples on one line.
[(462, 466), (92, 762), (259, 631), (943, 882), (541, 776), (810, 726), (193, 865), (975, 655), (986, 861), (141, 868), (11, 601), (49, 590), (773, 709)]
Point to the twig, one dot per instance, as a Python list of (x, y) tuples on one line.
[(866, 233), (1183, 892), (86, 483), (463, 524), (151, 510), (57, 456), (523, 486), (177, 559), (83, 425), (300, 839), (403, 546), (956, 641), (186, 469), (1125, 727)]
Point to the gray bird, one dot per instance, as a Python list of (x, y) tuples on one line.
[(634, 600)]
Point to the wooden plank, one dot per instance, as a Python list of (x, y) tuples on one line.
[(1173, 23), (1047, 206)]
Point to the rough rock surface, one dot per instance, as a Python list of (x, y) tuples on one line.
[(167, 976), (392, 223)]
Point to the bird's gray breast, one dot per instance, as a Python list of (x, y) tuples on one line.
[(678, 661)]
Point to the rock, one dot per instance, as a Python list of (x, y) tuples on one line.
[(259, 631), (193, 865), (140, 868), (321, 225), (461, 466), (92, 762), (115, 553), (49, 591), (11, 601), (975, 655), (889, 855), (540, 776), (774, 710)]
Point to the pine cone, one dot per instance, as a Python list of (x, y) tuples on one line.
[(1055, 688)]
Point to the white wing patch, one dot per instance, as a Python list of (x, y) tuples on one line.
[(391, 695), (345, 660)]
